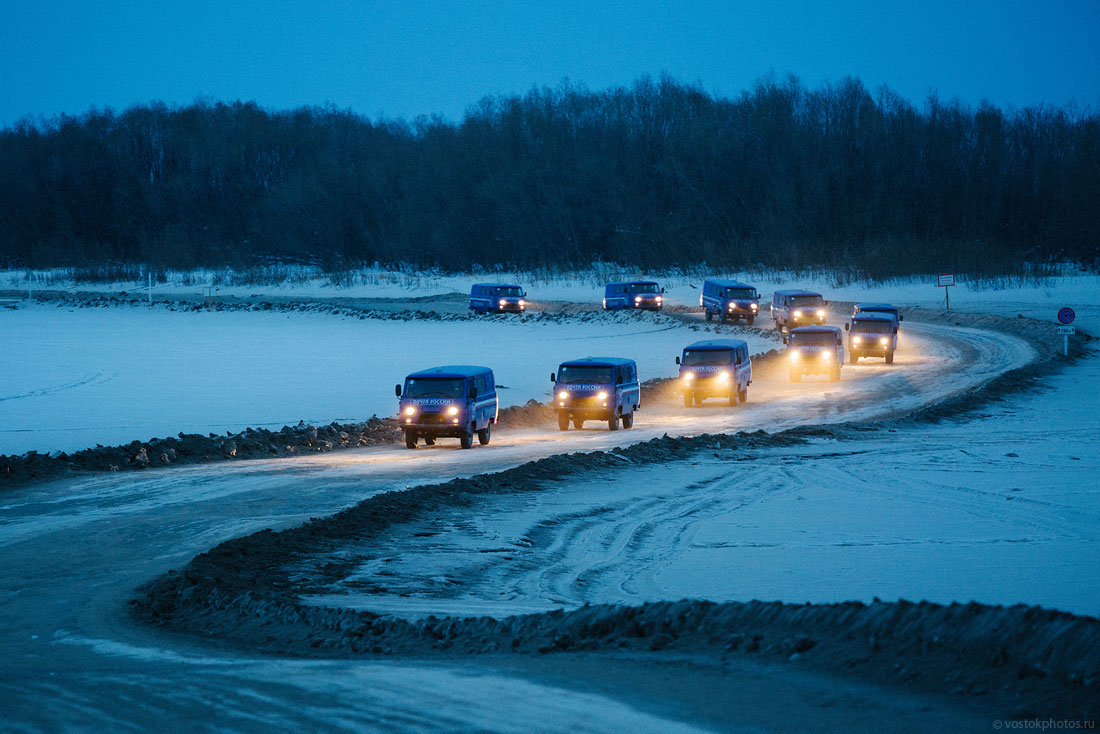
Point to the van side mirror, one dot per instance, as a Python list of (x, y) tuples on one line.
[(397, 390), (900, 317), (847, 327), (677, 360), (824, 302), (662, 290), (553, 377), (786, 339)]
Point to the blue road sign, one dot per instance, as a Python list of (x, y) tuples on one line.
[(1066, 315)]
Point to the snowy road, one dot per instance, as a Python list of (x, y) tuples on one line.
[(73, 552)]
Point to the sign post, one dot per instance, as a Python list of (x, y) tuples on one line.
[(1065, 318), (945, 282)]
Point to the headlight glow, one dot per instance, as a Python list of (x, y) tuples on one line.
[(689, 376), (826, 356), (724, 376), (883, 341), (821, 313), (601, 395), (797, 313), (502, 302), (410, 410), (857, 340), (453, 410), (522, 302), (795, 356), (660, 298), (754, 307), (637, 299), (563, 395)]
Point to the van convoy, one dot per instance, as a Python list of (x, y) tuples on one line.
[(455, 401), (460, 401), (729, 299), (497, 298), (717, 368), (597, 388)]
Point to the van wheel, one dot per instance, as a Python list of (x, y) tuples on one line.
[(744, 396), (890, 357), (466, 440), (688, 399), (709, 316), (749, 320), (410, 439), (563, 421), (613, 423), (483, 435), (628, 420), (578, 423), (796, 376)]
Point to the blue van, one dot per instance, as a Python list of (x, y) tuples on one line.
[(596, 388), (793, 308), (644, 294), (716, 368), (886, 308), (815, 350), (872, 334), (497, 298), (729, 299), (455, 401)]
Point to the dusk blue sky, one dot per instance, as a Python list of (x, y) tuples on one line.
[(407, 58)]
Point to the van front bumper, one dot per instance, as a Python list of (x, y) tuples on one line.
[(589, 414), (436, 430)]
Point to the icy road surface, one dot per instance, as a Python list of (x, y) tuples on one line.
[(72, 553)]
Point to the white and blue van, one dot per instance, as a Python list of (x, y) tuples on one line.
[(815, 350), (596, 388), (641, 294), (792, 308), (497, 298), (729, 299), (715, 368), (454, 401), (872, 334)]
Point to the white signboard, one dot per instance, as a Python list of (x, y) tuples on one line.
[(1068, 330), (945, 280)]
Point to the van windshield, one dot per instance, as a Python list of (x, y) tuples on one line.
[(869, 326), (635, 288), (515, 291), (813, 339), (708, 356), (739, 293), (806, 300), (584, 373), (435, 388)]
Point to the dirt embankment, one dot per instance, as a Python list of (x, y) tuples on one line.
[(193, 448), (1021, 661)]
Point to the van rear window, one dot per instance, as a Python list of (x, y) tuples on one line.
[(584, 373), (435, 388)]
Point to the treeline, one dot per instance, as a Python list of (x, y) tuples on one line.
[(660, 174)]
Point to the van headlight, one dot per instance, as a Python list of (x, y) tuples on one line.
[(453, 410), (601, 395), (660, 298), (795, 356), (754, 307), (884, 341), (689, 376), (857, 340), (563, 395), (826, 356), (797, 313), (821, 313), (637, 299), (522, 302), (733, 306), (724, 376), (410, 410), (502, 302)]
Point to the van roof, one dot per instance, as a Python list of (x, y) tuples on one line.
[(876, 307), (495, 285), (797, 292), (451, 371), (597, 362), (872, 316), (635, 282), (816, 330), (716, 345), (723, 283)]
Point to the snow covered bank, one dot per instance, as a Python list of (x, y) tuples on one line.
[(76, 377)]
